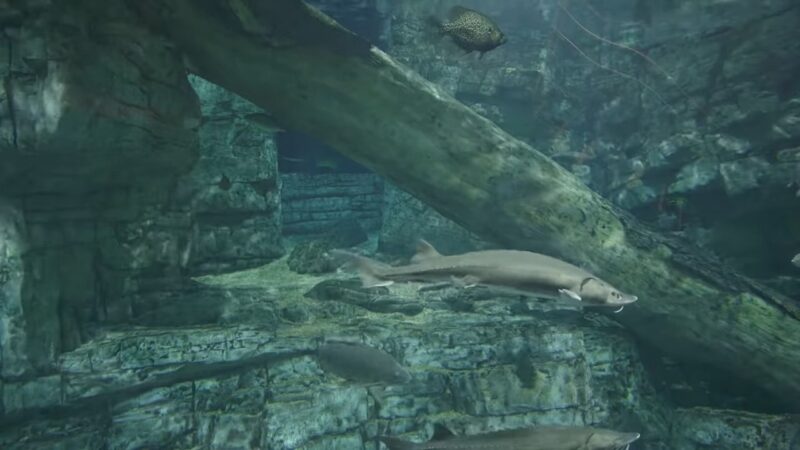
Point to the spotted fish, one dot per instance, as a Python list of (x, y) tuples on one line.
[(471, 30)]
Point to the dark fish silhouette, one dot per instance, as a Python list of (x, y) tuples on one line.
[(536, 438), (361, 363), (471, 30)]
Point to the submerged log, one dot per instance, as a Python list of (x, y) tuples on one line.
[(318, 78)]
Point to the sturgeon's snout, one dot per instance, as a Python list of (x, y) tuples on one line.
[(630, 437)]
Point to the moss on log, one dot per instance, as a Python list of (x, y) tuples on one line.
[(318, 78)]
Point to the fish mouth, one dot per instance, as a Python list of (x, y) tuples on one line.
[(402, 377), (632, 437), (622, 302), (628, 439), (624, 299)]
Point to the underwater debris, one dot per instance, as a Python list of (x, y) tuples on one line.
[(599, 65), (535, 438), (621, 46), (471, 30), (614, 71), (521, 272)]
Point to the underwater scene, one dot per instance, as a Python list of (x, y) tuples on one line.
[(400, 224)]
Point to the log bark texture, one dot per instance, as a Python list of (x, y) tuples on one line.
[(318, 78)]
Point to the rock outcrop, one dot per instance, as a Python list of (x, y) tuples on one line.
[(244, 381), (98, 121), (233, 191), (104, 211), (317, 204)]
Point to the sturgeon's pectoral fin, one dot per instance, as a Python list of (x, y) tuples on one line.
[(619, 310), (569, 294), (465, 282)]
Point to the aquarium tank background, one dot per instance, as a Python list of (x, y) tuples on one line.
[(400, 224)]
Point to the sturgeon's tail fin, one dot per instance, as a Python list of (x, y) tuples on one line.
[(369, 270), (399, 444)]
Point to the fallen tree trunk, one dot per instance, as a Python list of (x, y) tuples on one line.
[(318, 78)]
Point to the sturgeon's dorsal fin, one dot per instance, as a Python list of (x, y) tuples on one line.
[(441, 433), (424, 251)]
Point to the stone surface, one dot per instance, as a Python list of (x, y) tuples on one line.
[(311, 257), (315, 204), (233, 191), (352, 292), (731, 430), (94, 130), (13, 244), (187, 375), (406, 220), (247, 385)]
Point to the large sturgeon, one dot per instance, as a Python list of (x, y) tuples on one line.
[(522, 272)]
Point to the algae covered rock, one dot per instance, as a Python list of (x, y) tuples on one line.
[(375, 300), (312, 257), (734, 430)]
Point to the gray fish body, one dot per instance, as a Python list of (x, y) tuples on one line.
[(472, 31), (536, 438), (524, 271), (796, 260), (521, 272), (361, 363)]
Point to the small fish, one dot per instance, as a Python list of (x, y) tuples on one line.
[(535, 438), (521, 272), (471, 30), (796, 260), (361, 363)]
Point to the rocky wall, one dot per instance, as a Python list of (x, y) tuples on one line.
[(233, 191), (316, 203), (238, 379), (103, 217), (97, 121), (406, 220)]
